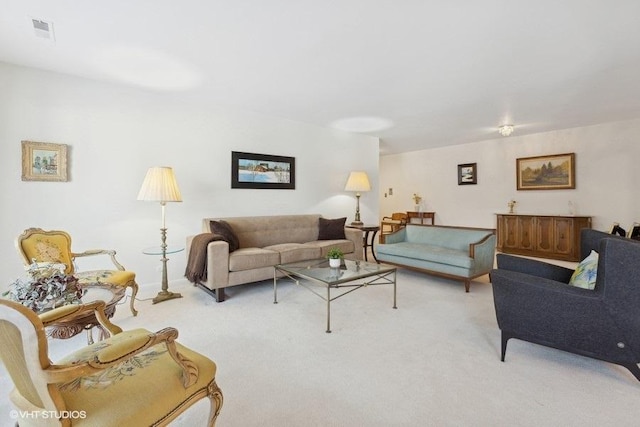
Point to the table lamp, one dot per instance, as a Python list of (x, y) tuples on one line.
[(358, 181), (160, 185)]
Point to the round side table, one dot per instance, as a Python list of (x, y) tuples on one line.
[(164, 294)]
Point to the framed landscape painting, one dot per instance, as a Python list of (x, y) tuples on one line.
[(554, 172), (251, 170), (468, 174), (44, 161)]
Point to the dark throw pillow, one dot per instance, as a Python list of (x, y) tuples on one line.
[(224, 229), (331, 229)]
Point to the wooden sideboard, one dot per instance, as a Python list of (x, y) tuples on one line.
[(544, 236)]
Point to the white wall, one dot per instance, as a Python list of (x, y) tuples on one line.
[(115, 133), (607, 180)]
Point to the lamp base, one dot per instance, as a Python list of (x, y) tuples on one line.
[(357, 223), (166, 295)]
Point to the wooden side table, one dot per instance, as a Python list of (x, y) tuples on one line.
[(421, 216), (366, 241)]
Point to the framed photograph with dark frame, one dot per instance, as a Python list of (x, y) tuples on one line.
[(44, 161), (251, 170), (467, 174), (554, 172)]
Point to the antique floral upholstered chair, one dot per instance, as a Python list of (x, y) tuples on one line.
[(132, 378), (35, 244)]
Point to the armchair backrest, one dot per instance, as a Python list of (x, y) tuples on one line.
[(46, 246), (590, 240), (399, 216), (24, 352)]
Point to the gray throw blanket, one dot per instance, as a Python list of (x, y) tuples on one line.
[(196, 270)]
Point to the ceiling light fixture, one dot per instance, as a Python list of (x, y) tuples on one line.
[(505, 130)]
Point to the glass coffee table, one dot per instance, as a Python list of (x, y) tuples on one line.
[(319, 278)]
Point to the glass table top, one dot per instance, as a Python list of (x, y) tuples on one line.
[(319, 270)]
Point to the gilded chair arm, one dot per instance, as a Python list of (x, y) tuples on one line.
[(119, 349), (69, 312), (92, 252)]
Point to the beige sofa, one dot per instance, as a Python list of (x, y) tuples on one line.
[(265, 241)]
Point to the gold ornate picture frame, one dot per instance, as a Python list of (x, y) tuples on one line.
[(554, 172), (44, 161)]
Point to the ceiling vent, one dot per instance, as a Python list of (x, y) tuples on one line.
[(43, 29)]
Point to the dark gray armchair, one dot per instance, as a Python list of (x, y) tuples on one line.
[(534, 302)]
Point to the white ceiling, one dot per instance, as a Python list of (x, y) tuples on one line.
[(440, 72)]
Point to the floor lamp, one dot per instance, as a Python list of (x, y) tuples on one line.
[(160, 185), (357, 181)]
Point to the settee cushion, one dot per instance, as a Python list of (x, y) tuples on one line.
[(331, 229), (250, 258), (293, 252), (223, 229), (585, 274), (422, 251)]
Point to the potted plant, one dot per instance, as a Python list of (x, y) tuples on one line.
[(45, 288), (335, 256)]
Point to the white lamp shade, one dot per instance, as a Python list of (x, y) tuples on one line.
[(358, 181), (160, 185)]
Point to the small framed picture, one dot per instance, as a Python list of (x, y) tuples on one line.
[(467, 174), (634, 231), (44, 161)]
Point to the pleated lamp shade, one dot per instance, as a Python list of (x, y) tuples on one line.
[(160, 185), (358, 181)]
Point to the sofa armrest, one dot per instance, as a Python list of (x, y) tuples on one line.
[(396, 237), (544, 307), (218, 264), (534, 267), (355, 235), (483, 253)]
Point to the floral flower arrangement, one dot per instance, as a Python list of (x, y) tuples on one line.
[(47, 287), (416, 198)]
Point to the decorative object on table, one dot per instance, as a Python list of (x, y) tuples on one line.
[(160, 185), (44, 161), (467, 174), (46, 287), (512, 206), (54, 246), (251, 170), (417, 200), (335, 256), (358, 181), (554, 172)]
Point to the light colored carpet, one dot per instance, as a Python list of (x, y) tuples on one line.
[(434, 361)]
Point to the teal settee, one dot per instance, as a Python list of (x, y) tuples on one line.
[(462, 253)]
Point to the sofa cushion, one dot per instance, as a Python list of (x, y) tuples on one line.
[(425, 252), (249, 258), (331, 229), (344, 245), (585, 274), (293, 252), (223, 229)]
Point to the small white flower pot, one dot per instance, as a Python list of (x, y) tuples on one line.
[(334, 262)]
